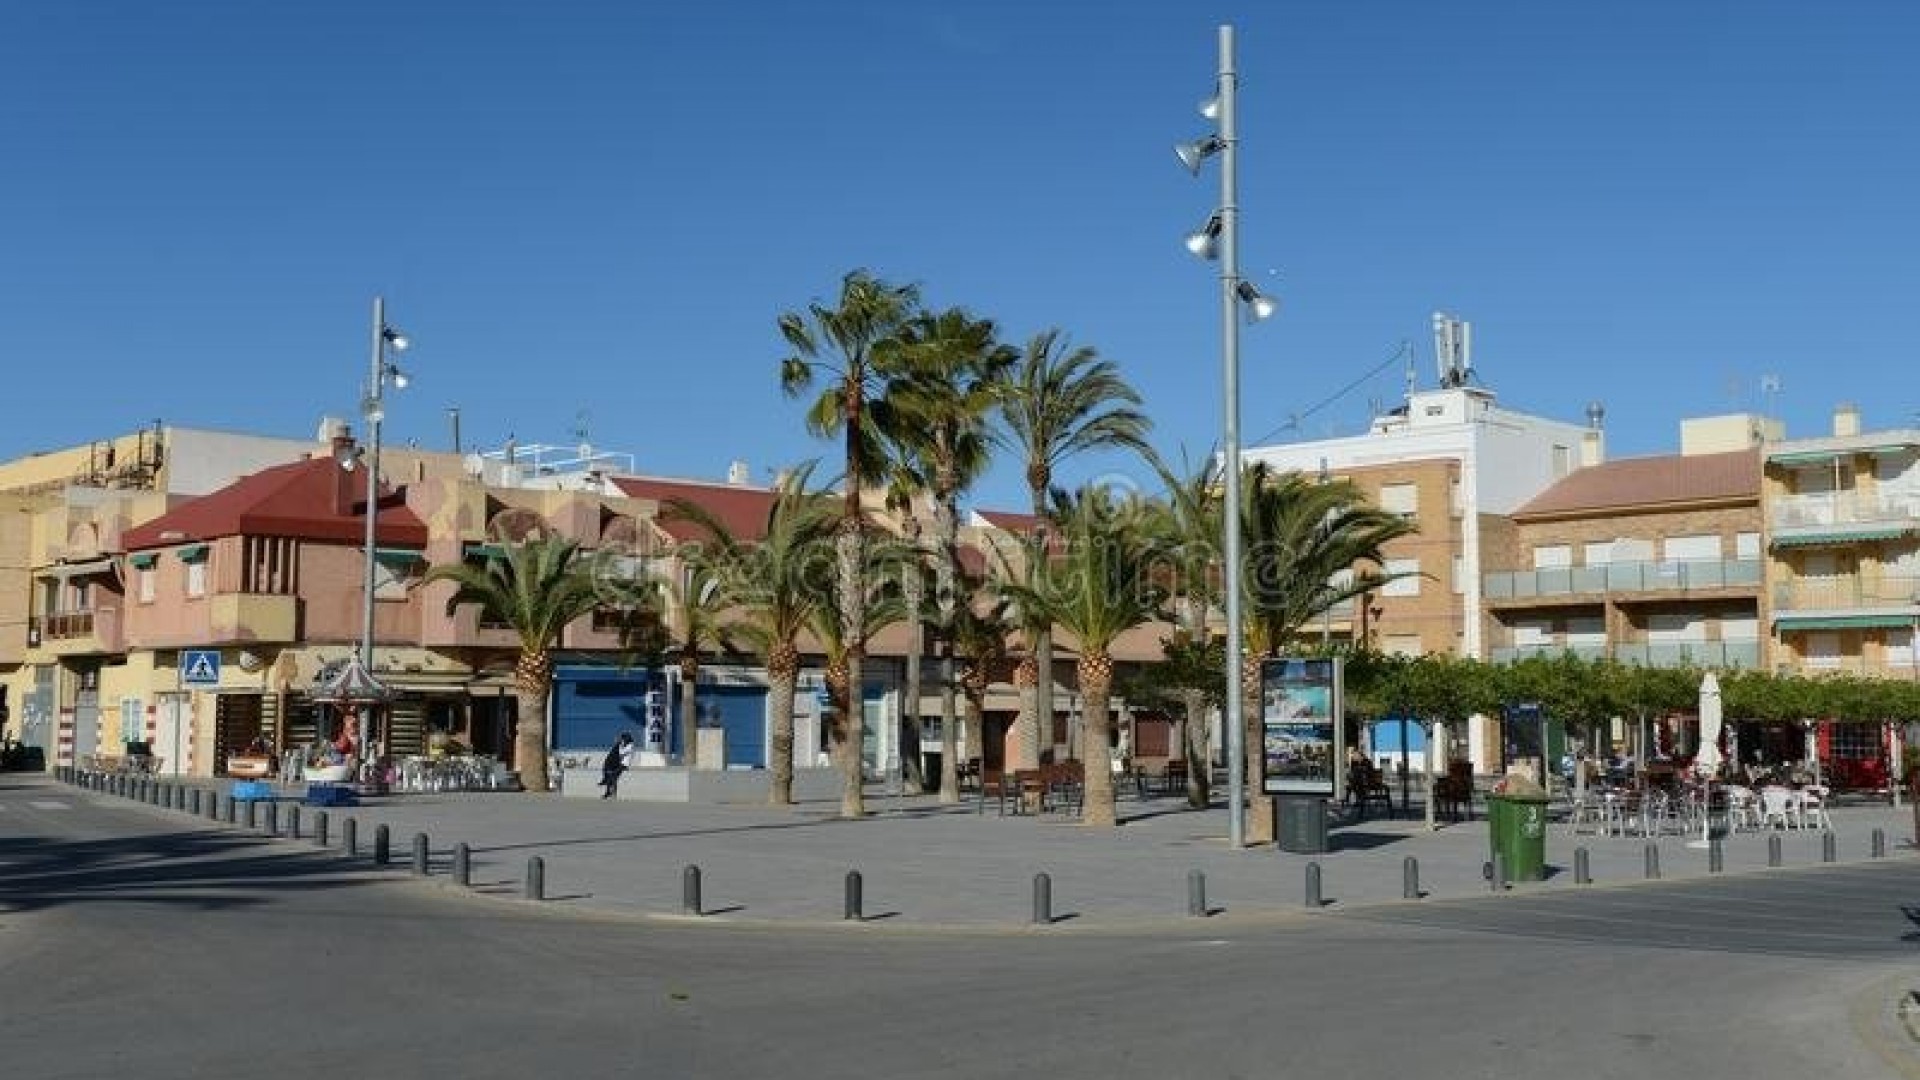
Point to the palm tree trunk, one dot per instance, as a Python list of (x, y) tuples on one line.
[(1096, 684), (1198, 750), (949, 745), (533, 681), (946, 565), (1259, 804), (689, 709), (1026, 751), (783, 668), (853, 720), (916, 646)]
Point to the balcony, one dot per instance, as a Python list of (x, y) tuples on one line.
[(76, 633), (1842, 594), (248, 617), (1845, 508), (1660, 654), (1594, 583)]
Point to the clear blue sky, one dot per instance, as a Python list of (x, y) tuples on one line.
[(603, 207)]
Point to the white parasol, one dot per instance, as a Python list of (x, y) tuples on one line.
[(1707, 761)]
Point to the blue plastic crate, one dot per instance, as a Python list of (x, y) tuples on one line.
[(331, 795), (252, 790)]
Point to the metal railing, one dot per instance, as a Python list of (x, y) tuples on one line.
[(1845, 508), (1665, 575), (1660, 654)]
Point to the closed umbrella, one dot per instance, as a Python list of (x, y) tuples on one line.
[(1707, 761)]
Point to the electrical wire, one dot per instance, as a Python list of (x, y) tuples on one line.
[(1405, 351)]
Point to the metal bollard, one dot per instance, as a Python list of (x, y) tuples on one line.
[(1042, 900), (1879, 848), (350, 837), (196, 802), (1653, 861), (1582, 868), (293, 821), (536, 878), (1716, 856), (382, 844), (1197, 894), (690, 891), (1313, 898), (1773, 850), (420, 852), (1829, 847), (850, 910), (213, 806), (233, 810), (319, 828), (252, 813), (462, 865), (1497, 875), (1410, 878), (273, 819)]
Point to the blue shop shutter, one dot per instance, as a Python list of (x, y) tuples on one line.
[(743, 713), (591, 707)]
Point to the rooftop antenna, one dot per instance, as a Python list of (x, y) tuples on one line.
[(1452, 350), (1413, 376), (580, 429), (1770, 390)]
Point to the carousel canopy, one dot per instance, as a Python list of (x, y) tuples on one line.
[(349, 683)]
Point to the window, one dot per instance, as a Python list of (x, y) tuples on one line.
[(1853, 740), (1406, 578), (1822, 650), (1586, 630), (1739, 628), (1746, 545), (1402, 499), (1675, 627), (144, 582), (1900, 648), (1532, 634), (1552, 556), (1678, 548), (1599, 554), (133, 726), (197, 578)]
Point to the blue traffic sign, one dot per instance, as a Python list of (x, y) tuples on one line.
[(200, 667)]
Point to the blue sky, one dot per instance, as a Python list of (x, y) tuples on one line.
[(600, 209)]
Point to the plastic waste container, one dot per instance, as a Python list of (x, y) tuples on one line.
[(1301, 824), (1517, 827)]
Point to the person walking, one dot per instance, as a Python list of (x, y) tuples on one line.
[(619, 759)]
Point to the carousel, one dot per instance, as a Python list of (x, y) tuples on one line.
[(353, 694)]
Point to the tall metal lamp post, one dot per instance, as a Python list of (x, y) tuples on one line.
[(381, 371), (1220, 238)]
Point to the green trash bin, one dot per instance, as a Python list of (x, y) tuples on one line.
[(1517, 829)]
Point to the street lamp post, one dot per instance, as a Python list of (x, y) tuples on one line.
[(380, 371), (1222, 231)]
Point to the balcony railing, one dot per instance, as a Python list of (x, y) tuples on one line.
[(1845, 508), (1667, 575), (1661, 654), (61, 625), (1827, 594)]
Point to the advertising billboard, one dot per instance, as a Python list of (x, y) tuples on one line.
[(1301, 744)]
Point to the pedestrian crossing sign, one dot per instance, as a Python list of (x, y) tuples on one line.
[(200, 667)]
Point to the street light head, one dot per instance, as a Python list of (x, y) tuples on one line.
[(1210, 108), (373, 409), (1260, 306), (1191, 154), (394, 338), (399, 378), (1202, 241)]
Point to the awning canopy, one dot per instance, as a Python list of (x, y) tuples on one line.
[(143, 560), (1886, 620), (1830, 537), (82, 569), (191, 552), (349, 683)]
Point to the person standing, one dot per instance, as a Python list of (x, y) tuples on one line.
[(618, 760)]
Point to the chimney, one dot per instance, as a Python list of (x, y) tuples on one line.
[(1846, 419), (1592, 447), (739, 474)]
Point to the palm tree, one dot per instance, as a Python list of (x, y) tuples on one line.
[(882, 605), (977, 634), (1103, 584), (695, 628), (1191, 526), (1310, 545), (949, 375), (536, 588), (903, 487), (1060, 401), (771, 589), (844, 339)]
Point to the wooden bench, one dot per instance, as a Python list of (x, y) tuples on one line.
[(1453, 793)]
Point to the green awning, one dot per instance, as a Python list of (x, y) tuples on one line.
[(1804, 457), (143, 560), (398, 556), (191, 552), (1889, 620), (1832, 537)]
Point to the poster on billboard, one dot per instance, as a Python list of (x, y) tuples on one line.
[(1301, 742)]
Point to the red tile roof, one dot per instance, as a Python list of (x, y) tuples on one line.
[(305, 500), (1667, 480), (743, 510)]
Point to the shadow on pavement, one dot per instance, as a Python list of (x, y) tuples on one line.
[(202, 870)]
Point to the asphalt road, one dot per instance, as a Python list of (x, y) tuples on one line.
[(138, 945)]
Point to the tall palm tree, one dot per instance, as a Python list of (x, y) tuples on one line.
[(1191, 525), (536, 588), (696, 627), (950, 372), (882, 605), (771, 589), (903, 489), (1104, 584), (978, 634), (845, 339), (1060, 401), (1309, 545)]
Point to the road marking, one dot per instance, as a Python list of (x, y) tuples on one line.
[(47, 804)]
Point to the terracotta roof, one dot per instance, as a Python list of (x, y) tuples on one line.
[(1651, 481), (305, 500), (743, 510)]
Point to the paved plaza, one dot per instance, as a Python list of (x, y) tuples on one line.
[(926, 865)]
